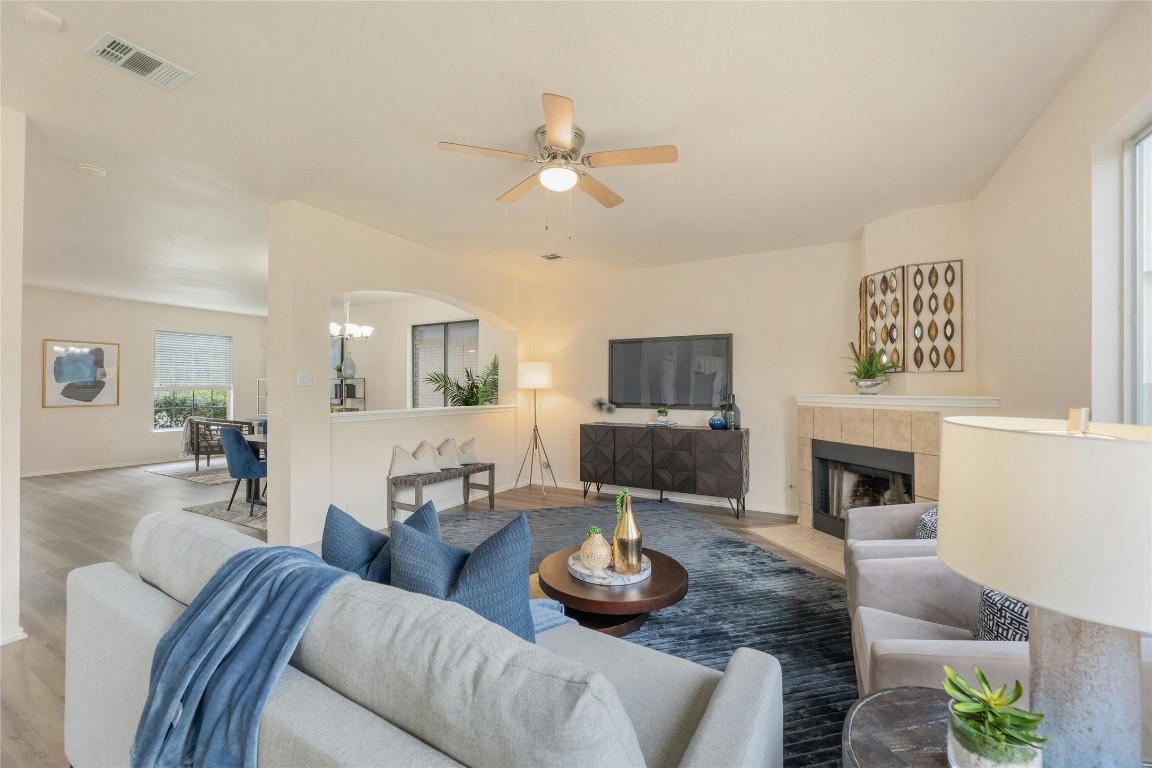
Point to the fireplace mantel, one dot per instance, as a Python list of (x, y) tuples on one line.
[(934, 402)]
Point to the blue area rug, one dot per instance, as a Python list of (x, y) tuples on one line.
[(738, 595)]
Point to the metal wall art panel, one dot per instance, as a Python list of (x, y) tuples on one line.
[(882, 312), (936, 317)]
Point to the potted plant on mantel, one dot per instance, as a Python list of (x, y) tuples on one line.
[(985, 730), (871, 371)]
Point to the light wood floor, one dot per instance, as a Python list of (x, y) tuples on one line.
[(68, 521)]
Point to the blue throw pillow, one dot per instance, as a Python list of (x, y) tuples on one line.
[(926, 526), (1001, 617), (492, 580), (352, 546)]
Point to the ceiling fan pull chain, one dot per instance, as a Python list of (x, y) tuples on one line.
[(547, 206), (569, 214)]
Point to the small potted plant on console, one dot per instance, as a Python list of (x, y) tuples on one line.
[(985, 730), (662, 414)]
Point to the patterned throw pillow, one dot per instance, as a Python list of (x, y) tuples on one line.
[(492, 580), (926, 528), (352, 546), (1001, 617)]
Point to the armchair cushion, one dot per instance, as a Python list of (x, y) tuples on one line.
[(926, 528), (918, 587), (870, 625), (894, 521)]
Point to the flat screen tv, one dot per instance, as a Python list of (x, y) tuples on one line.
[(675, 371)]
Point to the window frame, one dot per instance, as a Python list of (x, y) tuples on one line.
[(1137, 409), (415, 391), (160, 389)]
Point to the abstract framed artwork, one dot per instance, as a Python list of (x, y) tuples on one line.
[(936, 317), (80, 374), (882, 311)]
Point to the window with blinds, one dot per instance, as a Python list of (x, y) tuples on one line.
[(442, 347), (193, 377)]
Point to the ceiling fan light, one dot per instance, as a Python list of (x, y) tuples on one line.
[(558, 178)]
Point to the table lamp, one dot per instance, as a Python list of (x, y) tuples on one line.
[(535, 376), (1059, 515)]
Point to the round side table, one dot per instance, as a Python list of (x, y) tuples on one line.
[(898, 728)]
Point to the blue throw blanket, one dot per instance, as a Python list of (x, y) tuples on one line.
[(214, 669)]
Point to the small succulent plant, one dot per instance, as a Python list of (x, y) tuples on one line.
[(603, 405), (595, 529), (662, 410), (990, 712)]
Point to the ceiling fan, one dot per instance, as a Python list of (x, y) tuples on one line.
[(561, 164)]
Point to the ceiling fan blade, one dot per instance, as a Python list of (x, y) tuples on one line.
[(519, 190), (665, 153), (449, 146), (599, 192), (558, 120)]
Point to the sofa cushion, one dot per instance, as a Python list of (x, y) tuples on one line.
[(926, 526), (492, 580), (871, 624), (665, 696), (1001, 617), (462, 684), (352, 546)]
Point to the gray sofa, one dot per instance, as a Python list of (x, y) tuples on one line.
[(913, 615), (387, 677)]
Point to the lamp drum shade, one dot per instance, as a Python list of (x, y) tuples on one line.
[(1059, 520), (534, 376)]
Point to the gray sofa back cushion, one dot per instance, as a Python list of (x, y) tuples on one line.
[(463, 685)]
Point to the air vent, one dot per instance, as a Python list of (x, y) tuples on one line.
[(553, 256), (139, 62)]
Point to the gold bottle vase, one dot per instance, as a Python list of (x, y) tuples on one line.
[(627, 542)]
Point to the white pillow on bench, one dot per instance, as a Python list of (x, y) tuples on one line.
[(423, 461), (445, 456), (467, 452)]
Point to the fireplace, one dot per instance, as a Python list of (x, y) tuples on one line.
[(847, 476)]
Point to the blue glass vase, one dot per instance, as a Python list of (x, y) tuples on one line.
[(717, 421)]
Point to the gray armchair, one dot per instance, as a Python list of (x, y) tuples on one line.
[(882, 532), (913, 615)]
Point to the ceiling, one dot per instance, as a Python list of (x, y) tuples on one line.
[(797, 123)]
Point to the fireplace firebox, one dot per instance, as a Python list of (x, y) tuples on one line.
[(846, 476)]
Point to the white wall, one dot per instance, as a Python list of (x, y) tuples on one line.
[(66, 439), (791, 313), (385, 361), (1034, 232), (300, 291), (13, 126)]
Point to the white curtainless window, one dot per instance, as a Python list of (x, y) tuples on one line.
[(193, 377), (1139, 382)]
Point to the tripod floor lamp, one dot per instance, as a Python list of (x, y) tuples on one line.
[(535, 376)]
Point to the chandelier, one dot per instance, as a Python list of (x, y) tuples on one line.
[(349, 331)]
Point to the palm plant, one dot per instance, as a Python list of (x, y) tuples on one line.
[(990, 712), (482, 389)]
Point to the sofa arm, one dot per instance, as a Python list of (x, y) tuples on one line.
[(895, 521), (744, 722), (879, 549), (921, 662), (918, 587)]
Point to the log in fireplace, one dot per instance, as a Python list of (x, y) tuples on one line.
[(846, 476)]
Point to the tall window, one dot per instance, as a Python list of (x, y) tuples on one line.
[(1140, 292), (193, 377), (442, 347)]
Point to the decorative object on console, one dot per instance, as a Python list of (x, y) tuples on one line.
[(1074, 528), (482, 389), (882, 314), (535, 376), (603, 406), (627, 541), (717, 421), (595, 552), (662, 414), (420, 461), (871, 370), (985, 730), (936, 300), (80, 374), (349, 331), (731, 412)]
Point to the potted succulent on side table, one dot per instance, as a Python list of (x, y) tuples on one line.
[(870, 371), (985, 730)]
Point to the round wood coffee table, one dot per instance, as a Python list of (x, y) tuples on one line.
[(615, 611)]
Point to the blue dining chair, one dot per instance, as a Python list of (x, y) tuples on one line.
[(242, 465)]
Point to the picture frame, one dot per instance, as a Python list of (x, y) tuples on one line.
[(80, 374)]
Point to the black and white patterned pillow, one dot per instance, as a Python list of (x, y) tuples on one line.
[(1001, 617), (926, 528)]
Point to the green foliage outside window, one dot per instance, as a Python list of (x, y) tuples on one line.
[(171, 408)]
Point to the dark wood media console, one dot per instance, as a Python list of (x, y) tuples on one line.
[(700, 460)]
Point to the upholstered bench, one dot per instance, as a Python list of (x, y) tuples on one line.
[(430, 478)]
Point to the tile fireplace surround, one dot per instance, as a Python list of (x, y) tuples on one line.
[(898, 423)]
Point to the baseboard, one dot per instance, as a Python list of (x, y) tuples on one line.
[(688, 498), (119, 465), (13, 636)]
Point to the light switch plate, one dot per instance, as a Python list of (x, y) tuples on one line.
[(303, 379)]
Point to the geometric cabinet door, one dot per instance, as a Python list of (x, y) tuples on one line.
[(597, 454), (722, 463)]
